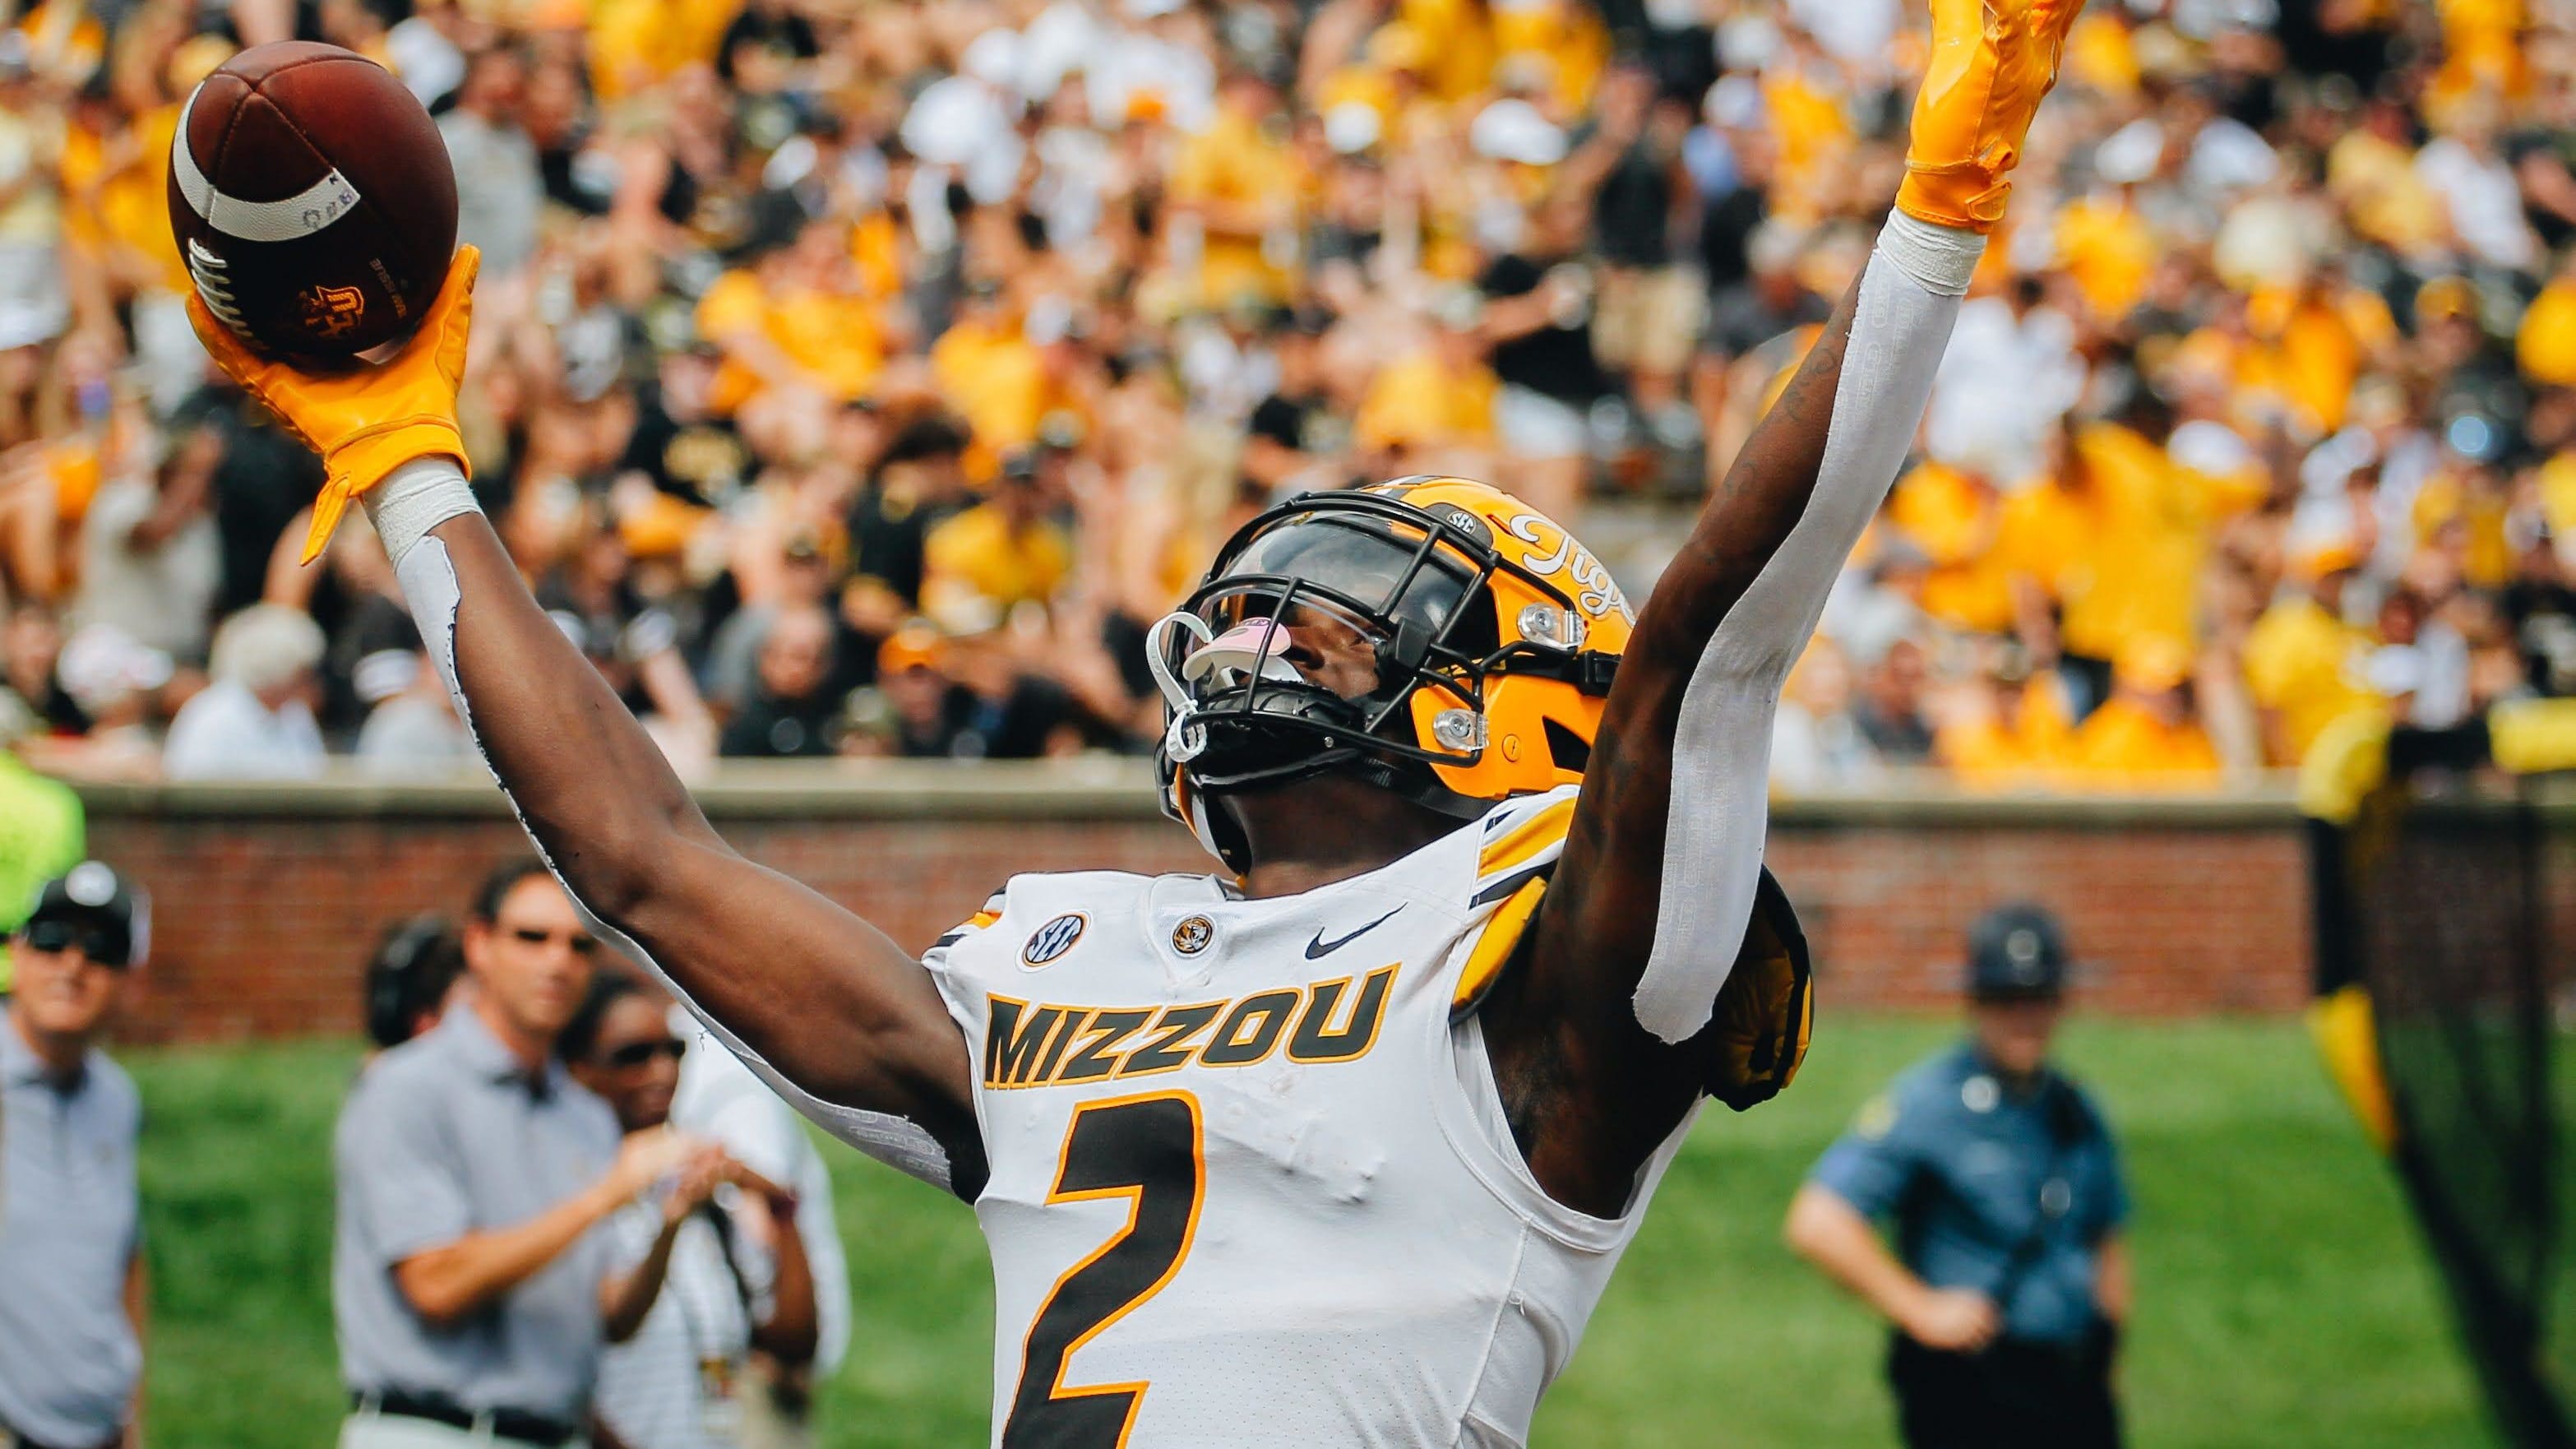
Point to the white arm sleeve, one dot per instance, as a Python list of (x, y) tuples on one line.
[(427, 492), (1909, 298)]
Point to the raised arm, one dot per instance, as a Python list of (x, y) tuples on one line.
[(826, 1008), (1603, 1040)]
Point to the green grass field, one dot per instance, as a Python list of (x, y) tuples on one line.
[(2283, 1298)]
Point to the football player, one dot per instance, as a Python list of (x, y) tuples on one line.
[(1339, 1144)]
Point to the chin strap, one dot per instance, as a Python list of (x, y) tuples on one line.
[(1184, 738), (1909, 299)]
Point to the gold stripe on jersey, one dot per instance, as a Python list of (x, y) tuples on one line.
[(1048, 1044), (1521, 844), (992, 912), (1485, 960)]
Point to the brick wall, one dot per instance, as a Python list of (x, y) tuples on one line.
[(267, 901)]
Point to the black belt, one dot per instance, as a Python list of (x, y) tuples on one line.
[(504, 1423)]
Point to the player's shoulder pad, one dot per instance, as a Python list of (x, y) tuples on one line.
[(985, 915), (1517, 847), (1520, 840)]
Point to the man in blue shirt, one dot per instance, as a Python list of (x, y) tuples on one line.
[(71, 1229), (471, 1295), (2008, 1281)]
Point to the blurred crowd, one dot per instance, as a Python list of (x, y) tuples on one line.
[(859, 377)]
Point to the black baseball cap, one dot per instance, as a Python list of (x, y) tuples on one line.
[(108, 916), (2017, 952)]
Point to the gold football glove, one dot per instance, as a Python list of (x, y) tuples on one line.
[(1767, 1009), (369, 421), (1992, 61)]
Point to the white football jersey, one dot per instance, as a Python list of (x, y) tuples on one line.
[(1249, 1183)]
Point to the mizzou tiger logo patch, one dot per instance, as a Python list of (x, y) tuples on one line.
[(330, 311)]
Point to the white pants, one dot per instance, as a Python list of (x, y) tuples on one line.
[(366, 1429)]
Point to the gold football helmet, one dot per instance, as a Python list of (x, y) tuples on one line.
[(1493, 634)]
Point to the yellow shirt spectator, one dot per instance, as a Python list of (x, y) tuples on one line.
[(1426, 401), (2375, 179), (2100, 53), (2309, 350), (1951, 515), (635, 43), (1242, 185), (1814, 133), (2022, 740), (1458, 42), (2303, 667), (2049, 536), (992, 374), (2155, 524), (995, 554), (2109, 251), (1563, 40), (2558, 493), (829, 337), (2144, 737), (2126, 745), (2546, 343)]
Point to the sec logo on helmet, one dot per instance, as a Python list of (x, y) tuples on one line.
[(1052, 940)]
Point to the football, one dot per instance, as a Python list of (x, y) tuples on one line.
[(313, 201)]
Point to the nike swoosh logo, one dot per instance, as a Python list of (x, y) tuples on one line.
[(1321, 947)]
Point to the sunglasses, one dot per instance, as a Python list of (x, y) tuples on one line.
[(582, 943), (637, 1053), (97, 943)]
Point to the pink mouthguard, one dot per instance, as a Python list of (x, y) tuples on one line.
[(1238, 650)]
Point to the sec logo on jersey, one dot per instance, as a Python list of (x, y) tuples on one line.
[(1052, 940)]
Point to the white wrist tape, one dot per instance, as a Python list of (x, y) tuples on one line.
[(415, 498), (1721, 803), (1941, 259)]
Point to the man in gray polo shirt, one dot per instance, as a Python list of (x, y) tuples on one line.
[(71, 1261), (472, 1295)]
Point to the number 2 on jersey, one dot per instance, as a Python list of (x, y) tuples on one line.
[(1147, 1150)]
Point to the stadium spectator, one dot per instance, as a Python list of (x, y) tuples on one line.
[(471, 1293), (498, 187), (2305, 663), (1538, 321), (736, 1279), (2145, 735), (719, 1099), (777, 295), (411, 980), (255, 721), (2007, 1200), (790, 714), (999, 553), (71, 1231), (412, 729), (150, 559)]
